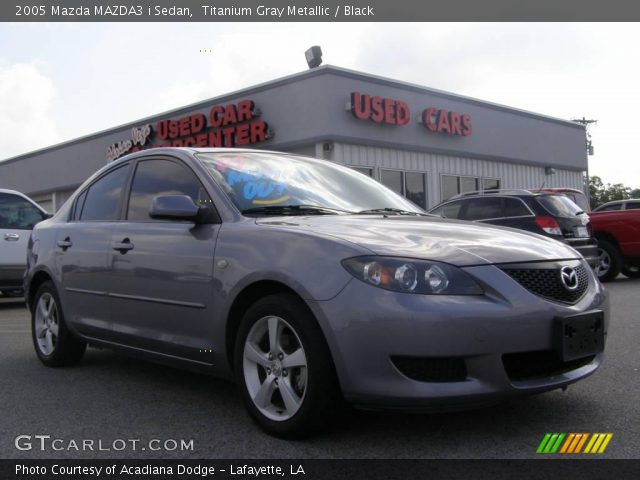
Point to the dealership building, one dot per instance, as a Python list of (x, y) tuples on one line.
[(423, 143)]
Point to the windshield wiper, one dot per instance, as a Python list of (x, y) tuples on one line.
[(294, 210), (397, 211)]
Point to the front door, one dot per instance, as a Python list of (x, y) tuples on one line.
[(162, 271)]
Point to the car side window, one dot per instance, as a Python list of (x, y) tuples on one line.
[(483, 208), (610, 208), (102, 202), (77, 206), (633, 205), (450, 210), (17, 213), (162, 177), (514, 207)]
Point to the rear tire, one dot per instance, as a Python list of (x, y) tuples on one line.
[(610, 261), (283, 368), (631, 271), (55, 345)]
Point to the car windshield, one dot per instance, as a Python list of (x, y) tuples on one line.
[(272, 183), (559, 205)]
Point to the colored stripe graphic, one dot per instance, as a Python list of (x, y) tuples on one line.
[(573, 443), (565, 447), (543, 443), (550, 443), (598, 443), (581, 442)]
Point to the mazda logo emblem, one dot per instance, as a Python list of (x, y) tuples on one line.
[(569, 278)]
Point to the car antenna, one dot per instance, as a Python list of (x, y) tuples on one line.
[(543, 182)]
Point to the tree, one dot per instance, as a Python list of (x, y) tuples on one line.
[(601, 193)]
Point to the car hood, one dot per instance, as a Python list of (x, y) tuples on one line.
[(433, 238)]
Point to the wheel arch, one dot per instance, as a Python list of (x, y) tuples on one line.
[(245, 299), (35, 282), (601, 235)]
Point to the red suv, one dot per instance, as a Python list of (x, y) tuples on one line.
[(618, 235)]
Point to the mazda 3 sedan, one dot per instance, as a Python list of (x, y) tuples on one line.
[(310, 284)]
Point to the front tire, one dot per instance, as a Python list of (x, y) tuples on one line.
[(631, 271), (610, 261), (283, 368), (55, 345)]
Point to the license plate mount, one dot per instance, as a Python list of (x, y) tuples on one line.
[(579, 336)]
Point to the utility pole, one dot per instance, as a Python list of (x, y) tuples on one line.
[(587, 123)]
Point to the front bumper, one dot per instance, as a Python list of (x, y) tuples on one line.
[(366, 327)]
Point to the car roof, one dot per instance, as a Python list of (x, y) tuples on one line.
[(559, 190), (618, 202), (193, 150)]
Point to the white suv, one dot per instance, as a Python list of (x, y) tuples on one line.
[(18, 215)]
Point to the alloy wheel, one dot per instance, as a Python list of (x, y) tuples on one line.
[(46, 324), (604, 262), (275, 368)]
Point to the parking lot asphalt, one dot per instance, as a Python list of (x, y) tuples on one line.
[(109, 397)]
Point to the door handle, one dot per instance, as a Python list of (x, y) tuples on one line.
[(11, 237), (124, 246), (64, 244)]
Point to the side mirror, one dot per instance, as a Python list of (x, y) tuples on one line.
[(174, 207)]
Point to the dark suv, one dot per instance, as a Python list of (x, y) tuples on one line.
[(550, 214)]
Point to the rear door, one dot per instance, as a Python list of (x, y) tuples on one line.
[(17, 218), (484, 209), (82, 252), (162, 282)]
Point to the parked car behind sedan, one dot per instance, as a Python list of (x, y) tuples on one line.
[(310, 284), (550, 214), (628, 204), (18, 215), (618, 234)]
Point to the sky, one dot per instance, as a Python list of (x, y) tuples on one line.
[(59, 81)]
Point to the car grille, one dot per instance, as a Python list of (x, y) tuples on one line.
[(546, 282), (540, 364), (431, 369)]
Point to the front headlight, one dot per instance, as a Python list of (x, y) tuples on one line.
[(412, 276)]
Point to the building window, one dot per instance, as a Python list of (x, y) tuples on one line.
[(415, 188), (469, 184), (450, 186), (490, 184), (411, 185), (392, 179), (453, 185), (368, 171)]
